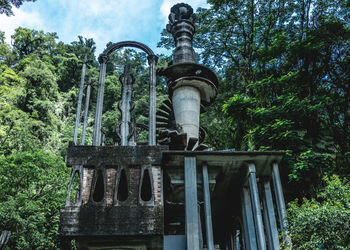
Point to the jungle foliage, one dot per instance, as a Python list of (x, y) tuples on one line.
[(284, 72)]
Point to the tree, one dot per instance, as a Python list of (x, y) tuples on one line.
[(6, 5), (16, 126), (324, 222), (27, 41), (6, 55), (32, 189)]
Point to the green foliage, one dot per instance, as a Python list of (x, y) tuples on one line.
[(15, 125), (323, 222), (32, 189), (28, 41), (6, 5), (6, 55)]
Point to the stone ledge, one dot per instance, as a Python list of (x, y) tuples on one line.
[(114, 155)]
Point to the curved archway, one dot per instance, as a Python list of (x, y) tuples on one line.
[(123, 44), (152, 61)]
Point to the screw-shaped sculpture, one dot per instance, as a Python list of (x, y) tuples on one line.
[(190, 84), (126, 105)]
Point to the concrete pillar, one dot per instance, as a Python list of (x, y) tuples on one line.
[(125, 104), (207, 209), (87, 101), (80, 98), (152, 61), (191, 205), (99, 105), (248, 222), (254, 194), (270, 218), (281, 207)]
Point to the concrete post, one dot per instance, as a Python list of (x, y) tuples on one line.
[(254, 194), (127, 80), (270, 218), (87, 101), (191, 205), (281, 207), (100, 94), (207, 209), (80, 97), (248, 222), (152, 61)]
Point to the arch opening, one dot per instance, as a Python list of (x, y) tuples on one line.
[(74, 194), (146, 186), (122, 193), (99, 189)]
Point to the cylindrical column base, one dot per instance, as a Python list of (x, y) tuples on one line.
[(186, 103)]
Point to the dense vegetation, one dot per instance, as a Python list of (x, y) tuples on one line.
[(284, 70)]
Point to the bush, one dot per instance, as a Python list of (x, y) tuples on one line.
[(324, 222)]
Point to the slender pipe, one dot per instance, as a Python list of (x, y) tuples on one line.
[(281, 207), (207, 209), (87, 100), (125, 104), (254, 194), (80, 98), (152, 61), (191, 205)]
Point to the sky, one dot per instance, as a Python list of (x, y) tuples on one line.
[(102, 20)]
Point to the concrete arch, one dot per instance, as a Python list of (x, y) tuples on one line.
[(123, 44)]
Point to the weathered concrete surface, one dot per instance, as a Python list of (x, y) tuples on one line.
[(186, 101), (107, 221)]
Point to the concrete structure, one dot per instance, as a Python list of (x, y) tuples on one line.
[(170, 194)]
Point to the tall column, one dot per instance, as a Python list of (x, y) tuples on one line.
[(152, 61), (270, 218), (254, 194), (100, 94), (189, 83), (87, 101), (80, 97), (191, 205), (127, 79), (248, 222), (281, 207), (207, 209)]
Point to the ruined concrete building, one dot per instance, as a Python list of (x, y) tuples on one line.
[(171, 193)]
